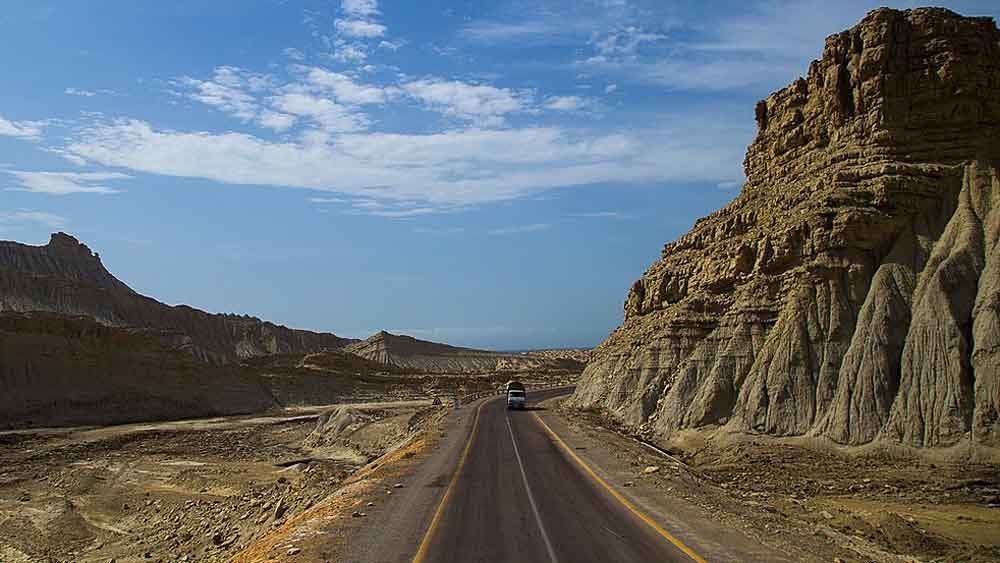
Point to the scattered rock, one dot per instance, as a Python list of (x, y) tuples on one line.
[(649, 470)]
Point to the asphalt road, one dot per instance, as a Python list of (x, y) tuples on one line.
[(520, 496)]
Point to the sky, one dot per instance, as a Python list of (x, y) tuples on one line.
[(488, 174)]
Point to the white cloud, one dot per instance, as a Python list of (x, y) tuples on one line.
[(79, 92), (445, 170), (565, 103), (29, 130), (481, 104), (625, 42), (602, 215), (294, 54), (276, 121), (493, 31), (343, 87), (230, 91), (360, 8), (50, 220), (534, 227), (327, 114), (359, 28), (729, 185), (610, 88), (349, 53), (64, 183), (439, 231), (391, 45)]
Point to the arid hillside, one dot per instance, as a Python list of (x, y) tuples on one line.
[(408, 353), (852, 289), (64, 276), (60, 370)]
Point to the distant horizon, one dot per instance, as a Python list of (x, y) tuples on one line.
[(490, 176)]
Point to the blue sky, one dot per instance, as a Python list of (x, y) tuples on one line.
[(490, 174)]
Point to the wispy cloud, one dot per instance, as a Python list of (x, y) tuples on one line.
[(439, 230), (49, 220), (64, 183), (449, 168), (360, 28), (481, 104), (79, 92), (518, 229), (360, 8), (294, 54), (602, 215), (566, 103), (30, 130)]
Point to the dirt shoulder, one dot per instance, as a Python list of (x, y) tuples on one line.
[(381, 512), (806, 503)]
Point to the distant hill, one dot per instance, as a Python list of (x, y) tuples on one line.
[(409, 353), (64, 276)]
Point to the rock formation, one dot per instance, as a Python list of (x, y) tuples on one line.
[(60, 370), (412, 354), (852, 289), (64, 276)]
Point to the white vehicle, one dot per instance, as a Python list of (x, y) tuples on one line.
[(516, 397)]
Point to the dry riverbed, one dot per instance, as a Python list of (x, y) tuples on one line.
[(181, 491)]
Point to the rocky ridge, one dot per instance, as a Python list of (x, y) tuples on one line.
[(64, 276), (852, 289), (409, 353)]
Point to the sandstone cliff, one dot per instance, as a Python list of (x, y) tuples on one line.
[(852, 289), (59, 370), (408, 353), (64, 276)]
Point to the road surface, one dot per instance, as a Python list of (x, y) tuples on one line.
[(504, 486), (519, 496)]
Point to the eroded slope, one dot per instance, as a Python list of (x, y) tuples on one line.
[(851, 290)]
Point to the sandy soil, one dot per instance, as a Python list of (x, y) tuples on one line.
[(181, 491), (817, 503)]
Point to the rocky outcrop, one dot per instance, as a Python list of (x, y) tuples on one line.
[(406, 353), (64, 276), (60, 370), (852, 289)]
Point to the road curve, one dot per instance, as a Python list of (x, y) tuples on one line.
[(518, 495)]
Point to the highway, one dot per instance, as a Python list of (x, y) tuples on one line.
[(504, 486), (520, 496)]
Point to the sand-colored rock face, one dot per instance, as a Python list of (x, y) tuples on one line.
[(411, 354), (852, 290), (59, 370), (64, 276)]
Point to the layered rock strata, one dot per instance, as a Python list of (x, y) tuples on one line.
[(60, 370), (406, 353), (64, 276), (852, 289)]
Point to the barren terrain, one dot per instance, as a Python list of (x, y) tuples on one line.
[(182, 491), (817, 501)]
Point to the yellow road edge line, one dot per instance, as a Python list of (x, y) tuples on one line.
[(621, 498), (425, 544)]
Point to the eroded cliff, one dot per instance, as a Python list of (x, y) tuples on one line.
[(852, 289), (64, 276)]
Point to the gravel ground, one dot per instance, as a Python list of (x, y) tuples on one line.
[(812, 503)]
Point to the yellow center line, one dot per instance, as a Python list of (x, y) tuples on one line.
[(425, 544), (620, 498)]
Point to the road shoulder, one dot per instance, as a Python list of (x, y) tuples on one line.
[(379, 513), (670, 494)]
